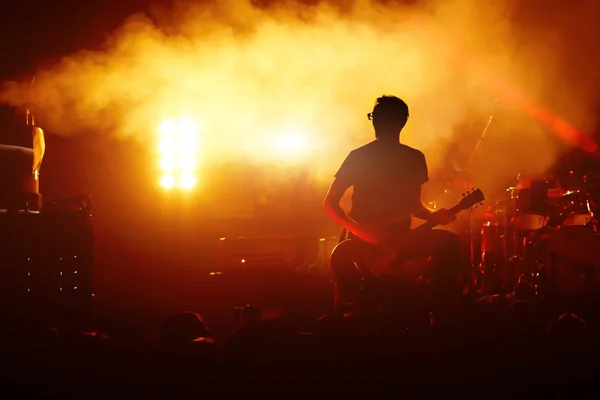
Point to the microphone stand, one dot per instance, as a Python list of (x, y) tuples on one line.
[(470, 184), (483, 135)]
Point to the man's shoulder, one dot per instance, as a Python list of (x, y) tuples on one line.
[(376, 146), (360, 152), (412, 151), (365, 147)]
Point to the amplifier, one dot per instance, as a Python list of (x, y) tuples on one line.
[(46, 259), (280, 252)]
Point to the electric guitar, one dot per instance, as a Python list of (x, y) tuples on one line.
[(354, 257)]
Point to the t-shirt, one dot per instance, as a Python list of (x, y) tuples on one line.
[(386, 177)]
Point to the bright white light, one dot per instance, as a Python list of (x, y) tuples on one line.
[(167, 163), (178, 147), (291, 143), (167, 181), (188, 163), (187, 127), (167, 128), (166, 146), (187, 181), (187, 147)]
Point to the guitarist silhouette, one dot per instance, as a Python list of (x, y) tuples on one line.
[(386, 177)]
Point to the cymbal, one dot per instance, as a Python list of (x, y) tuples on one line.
[(551, 193), (524, 181)]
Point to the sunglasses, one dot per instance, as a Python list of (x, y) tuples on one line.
[(370, 116)]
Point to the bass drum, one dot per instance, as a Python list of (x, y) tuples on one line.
[(570, 260)]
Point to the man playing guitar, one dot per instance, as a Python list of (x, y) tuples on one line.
[(387, 177)]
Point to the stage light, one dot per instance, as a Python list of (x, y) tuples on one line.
[(166, 128), (178, 147), (167, 164), (290, 146), (291, 143), (188, 163), (187, 181), (167, 181), (166, 146)]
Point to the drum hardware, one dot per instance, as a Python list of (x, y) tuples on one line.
[(576, 208), (530, 211), (532, 273), (507, 254), (509, 246), (568, 260), (469, 181), (494, 271), (591, 180), (520, 281), (571, 181), (542, 241), (501, 213)]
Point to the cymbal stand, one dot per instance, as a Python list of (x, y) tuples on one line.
[(469, 184)]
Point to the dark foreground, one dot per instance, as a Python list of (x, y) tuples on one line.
[(503, 346)]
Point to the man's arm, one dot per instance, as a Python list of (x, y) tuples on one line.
[(439, 217), (332, 207), (421, 211)]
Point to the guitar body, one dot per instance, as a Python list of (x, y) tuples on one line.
[(354, 256), (344, 267)]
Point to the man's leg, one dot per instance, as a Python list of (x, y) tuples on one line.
[(446, 266)]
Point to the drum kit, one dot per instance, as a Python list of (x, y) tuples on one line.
[(541, 239)]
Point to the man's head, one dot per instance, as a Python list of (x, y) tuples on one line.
[(389, 117)]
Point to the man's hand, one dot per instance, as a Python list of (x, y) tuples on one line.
[(443, 217), (372, 234)]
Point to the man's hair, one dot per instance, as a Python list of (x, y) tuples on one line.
[(389, 115), (390, 108)]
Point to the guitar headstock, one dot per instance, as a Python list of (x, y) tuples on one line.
[(471, 199)]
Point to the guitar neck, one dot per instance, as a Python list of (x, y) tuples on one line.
[(430, 224)]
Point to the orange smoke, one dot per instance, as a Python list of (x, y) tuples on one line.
[(294, 82)]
